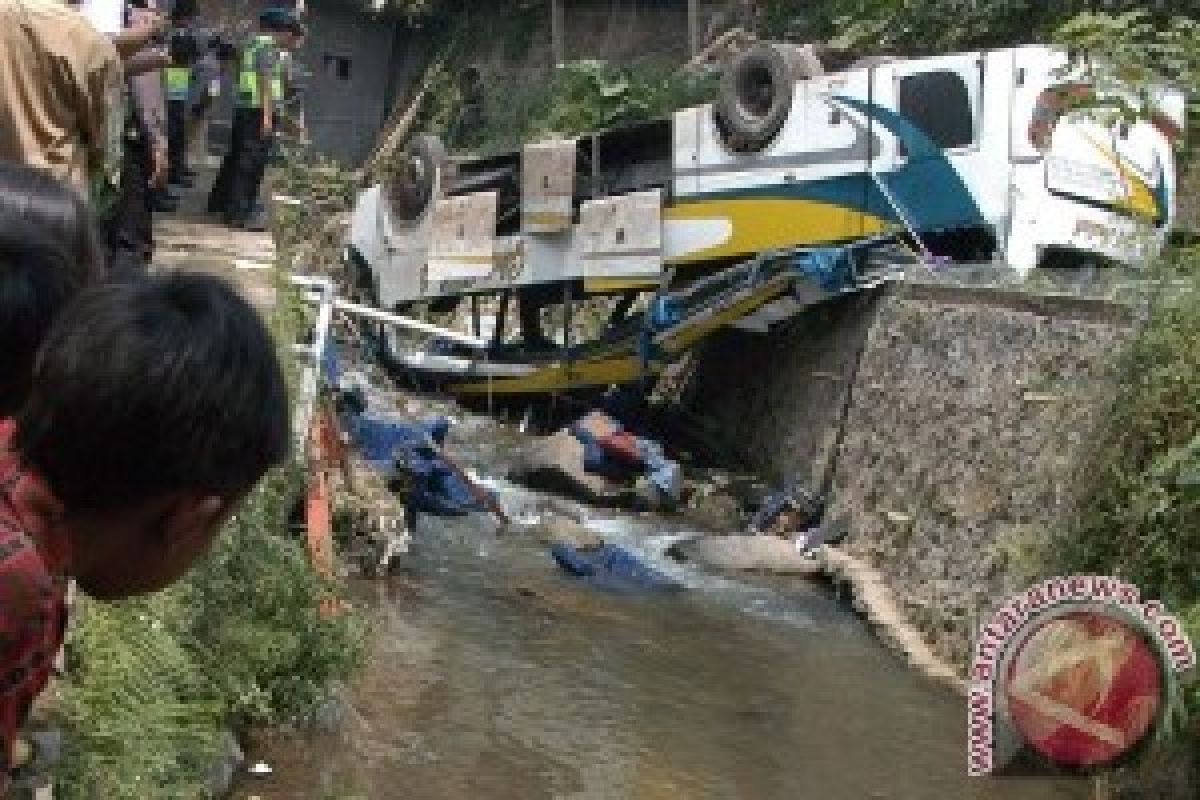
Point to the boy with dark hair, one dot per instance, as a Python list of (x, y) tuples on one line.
[(155, 406), (35, 285), (48, 252)]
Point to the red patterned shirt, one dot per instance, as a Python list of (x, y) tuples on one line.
[(33, 565)]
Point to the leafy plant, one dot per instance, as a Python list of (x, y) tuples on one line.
[(153, 684), (139, 712)]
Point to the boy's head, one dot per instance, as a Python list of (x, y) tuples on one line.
[(48, 252), (155, 406)]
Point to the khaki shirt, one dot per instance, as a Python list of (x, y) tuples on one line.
[(60, 92)]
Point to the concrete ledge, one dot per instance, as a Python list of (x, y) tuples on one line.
[(1058, 305), (872, 598)]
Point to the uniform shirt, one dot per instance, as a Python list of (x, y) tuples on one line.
[(266, 62), (60, 80), (34, 556)]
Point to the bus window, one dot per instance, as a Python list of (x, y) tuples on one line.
[(939, 104)]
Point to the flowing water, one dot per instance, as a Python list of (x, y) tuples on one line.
[(493, 675)]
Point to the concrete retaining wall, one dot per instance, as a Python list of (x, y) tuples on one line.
[(968, 416)]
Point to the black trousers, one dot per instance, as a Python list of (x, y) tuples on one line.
[(176, 138), (218, 196), (128, 233), (247, 162)]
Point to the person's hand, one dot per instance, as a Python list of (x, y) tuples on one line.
[(152, 22), (158, 166), (268, 125)]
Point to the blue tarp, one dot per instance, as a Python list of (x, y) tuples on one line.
[(392, 446), (831, 268), (611, 567)]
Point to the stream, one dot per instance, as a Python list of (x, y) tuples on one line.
[(494, 675)]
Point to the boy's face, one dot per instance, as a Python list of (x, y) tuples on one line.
[(148, 548)]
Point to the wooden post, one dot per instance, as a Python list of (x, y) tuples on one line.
[(693, 28), (557, 32)]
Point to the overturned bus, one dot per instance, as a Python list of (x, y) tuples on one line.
[(830, 180)]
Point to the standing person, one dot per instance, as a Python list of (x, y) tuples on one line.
[(259, 81), (150, 104), (126, 228), (177, 78), (203, 92), (60, 96)]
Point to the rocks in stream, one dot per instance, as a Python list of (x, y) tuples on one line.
[(600, 462), (555, 464), (228, 763), (554, 530), (746, 553)]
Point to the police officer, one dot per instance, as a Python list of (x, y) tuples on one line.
[(177, 83), (259, 88)]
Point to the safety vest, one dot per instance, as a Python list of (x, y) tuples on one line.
[(281, 70), (179, 82), (249, 94)]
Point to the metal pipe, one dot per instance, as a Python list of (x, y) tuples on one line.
[(568, 307), (693, 28), (558, 32), (324, 285)]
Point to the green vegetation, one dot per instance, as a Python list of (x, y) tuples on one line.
[(575, 98), (1139, 513), (1138, 507), (1132, 41), (154, 684)]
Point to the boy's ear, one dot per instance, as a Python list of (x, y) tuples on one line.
[(194, 517)]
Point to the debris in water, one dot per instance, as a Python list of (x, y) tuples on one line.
[(611, 567), (260, 769)]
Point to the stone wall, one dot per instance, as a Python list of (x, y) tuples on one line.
[(969, 416), (780, 397)]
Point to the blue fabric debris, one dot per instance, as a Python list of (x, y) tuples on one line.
[(412, 448), (596, 461), (793, 498), (391, 446), (831, 268), (660, 470), (611, 567), (665, 313)]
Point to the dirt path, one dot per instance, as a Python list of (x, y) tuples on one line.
[(194, 239)]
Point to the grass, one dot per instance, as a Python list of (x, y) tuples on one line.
[(154, 684)]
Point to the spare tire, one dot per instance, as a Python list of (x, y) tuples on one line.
[(413, 182), (756, 94)]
